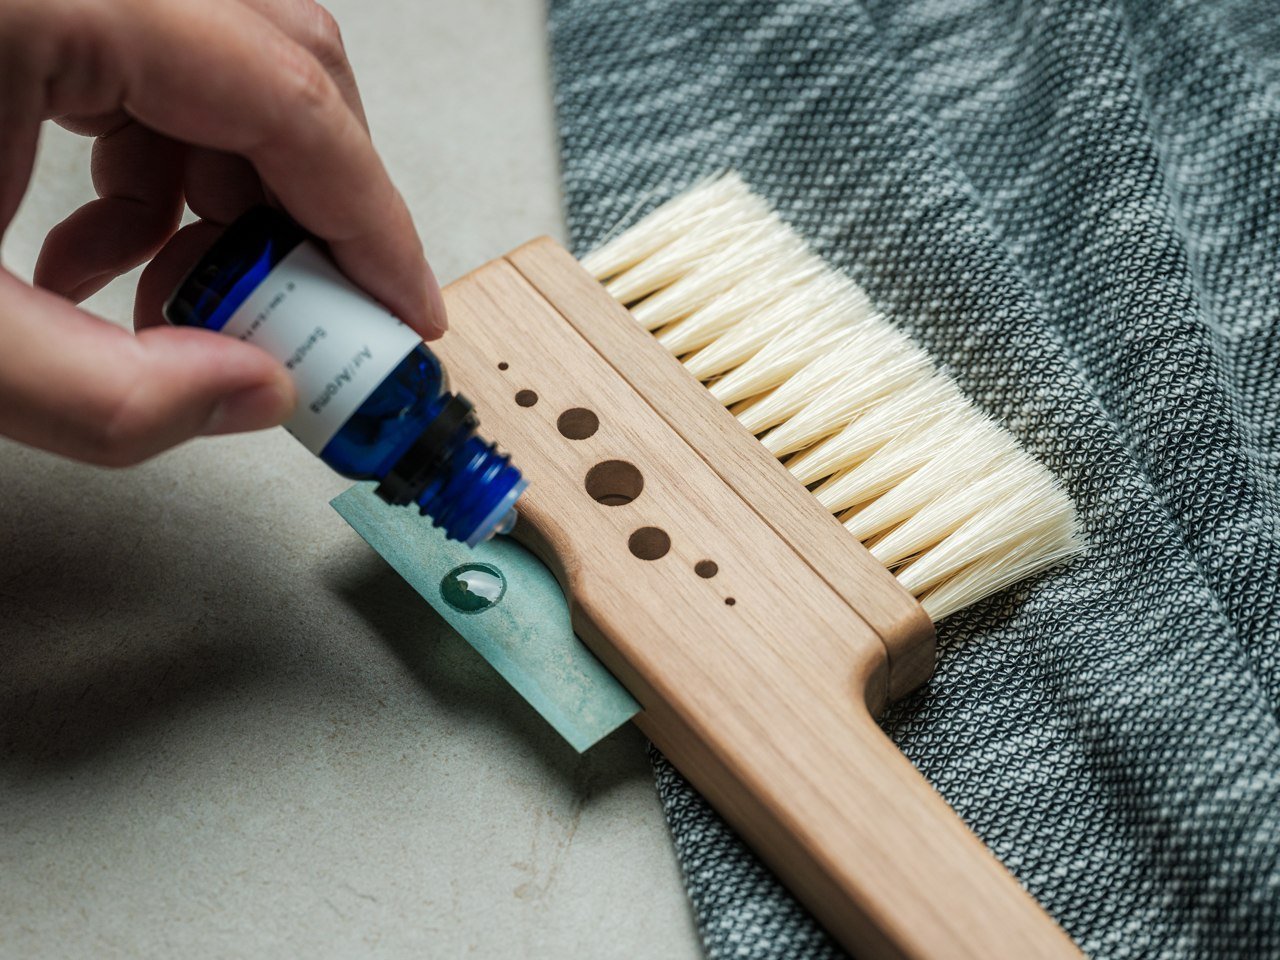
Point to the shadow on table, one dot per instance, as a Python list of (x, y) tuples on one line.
[(68, 695)]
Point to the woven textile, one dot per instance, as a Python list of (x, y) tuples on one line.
[(1076, 207)]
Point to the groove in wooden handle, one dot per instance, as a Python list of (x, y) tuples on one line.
[(762, 703)]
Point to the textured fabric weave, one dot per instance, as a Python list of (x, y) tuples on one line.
[(1076, 207)]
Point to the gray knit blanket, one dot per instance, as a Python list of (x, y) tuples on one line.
[(1075, 206)]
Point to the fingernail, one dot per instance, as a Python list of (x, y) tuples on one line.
[(255, 408), (439, 319)]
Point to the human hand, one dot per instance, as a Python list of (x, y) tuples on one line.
[(219, 103)]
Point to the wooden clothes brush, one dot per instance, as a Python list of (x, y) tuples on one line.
[(762, 625)]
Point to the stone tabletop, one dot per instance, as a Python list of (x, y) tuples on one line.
[(227, 728)]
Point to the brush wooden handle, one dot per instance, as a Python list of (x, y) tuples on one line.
[(758, 635)]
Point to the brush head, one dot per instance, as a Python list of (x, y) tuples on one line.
[(939, 492)]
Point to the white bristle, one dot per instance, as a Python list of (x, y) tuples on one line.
[(910, 410), (892, 464), (794, 348), (942, 516), (941, 494), (1052, 545), (753, 253), (721, 196), (925, 498), (792, 395), (741, 340), (836, 405), (753, 292), (1017, 517), (737, 343), (672, 262)]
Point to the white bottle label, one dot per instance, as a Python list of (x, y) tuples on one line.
[(336, 342)]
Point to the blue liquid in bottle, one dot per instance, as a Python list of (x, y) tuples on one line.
[(374, 401)]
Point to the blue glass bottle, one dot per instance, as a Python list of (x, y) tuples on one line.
[(265, 281)]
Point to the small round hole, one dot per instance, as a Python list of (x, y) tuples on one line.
[(614, 483), (649, 543), (706, 569), (504, 365), (578, 423), (729, 601), (526, 398)]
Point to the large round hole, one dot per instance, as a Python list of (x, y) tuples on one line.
[(578, 423), (614, 483), (649, 543)]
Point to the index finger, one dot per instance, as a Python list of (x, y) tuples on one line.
[(221, 75)]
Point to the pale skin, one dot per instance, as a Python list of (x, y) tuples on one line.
[(218, 105)]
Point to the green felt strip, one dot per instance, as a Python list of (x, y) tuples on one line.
[(508, 606)]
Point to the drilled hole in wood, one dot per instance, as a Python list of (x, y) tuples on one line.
[(729, 601), (578, 423), (614, 483), (504, 365), (706, 569), (649, 543), (526, 398)]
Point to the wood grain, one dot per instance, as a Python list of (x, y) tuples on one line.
[(765, 704), (739, 459)]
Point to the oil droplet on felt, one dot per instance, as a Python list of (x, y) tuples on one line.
[(473, 587)]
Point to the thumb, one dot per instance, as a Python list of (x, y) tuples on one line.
[(203, 383), (75, 385)]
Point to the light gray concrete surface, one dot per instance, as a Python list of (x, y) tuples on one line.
[(227, 729)]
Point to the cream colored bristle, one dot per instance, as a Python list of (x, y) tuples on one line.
[(794, 348), (1019, 516), (672, 262), (793, 394), (892, 464), (1050, 546), (921, 511), (906, 410), (941, 494), (840, 402), (797, 310), (938, 519), (722, 199), (752, 293), (759, 251)]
